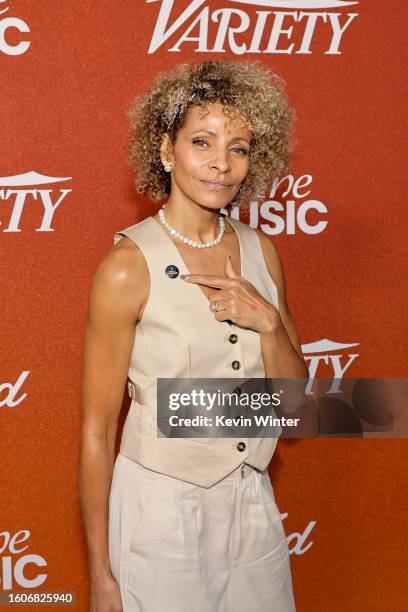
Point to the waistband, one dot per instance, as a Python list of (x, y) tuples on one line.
[(242, 471)]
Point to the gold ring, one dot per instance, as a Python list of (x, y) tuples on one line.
[(215, 307)]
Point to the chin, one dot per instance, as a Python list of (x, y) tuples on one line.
[(213, 203), (205, 200), (211, 200)]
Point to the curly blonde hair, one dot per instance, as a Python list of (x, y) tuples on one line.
[(244, 88)]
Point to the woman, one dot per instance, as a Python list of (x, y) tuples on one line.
[(189, 524)]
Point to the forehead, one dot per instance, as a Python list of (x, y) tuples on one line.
[(213, 116)]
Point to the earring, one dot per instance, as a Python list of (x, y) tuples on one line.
[(167, 167)]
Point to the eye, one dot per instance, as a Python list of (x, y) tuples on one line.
[(241, 150), (199, 141)]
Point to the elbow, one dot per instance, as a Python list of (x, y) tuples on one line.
[(98, 438)]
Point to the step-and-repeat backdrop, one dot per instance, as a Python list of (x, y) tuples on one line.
[(69, 71)]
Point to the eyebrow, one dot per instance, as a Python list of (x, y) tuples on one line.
[(212, 133)]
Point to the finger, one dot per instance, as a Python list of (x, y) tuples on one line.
[(227, 302), (220, 294), (224, 315), (227, 310), (210, 281), (217, 306)]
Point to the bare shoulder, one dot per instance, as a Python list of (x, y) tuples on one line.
[(121, 281)]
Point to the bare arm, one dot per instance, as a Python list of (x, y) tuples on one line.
[(281, 349), (118, 292)]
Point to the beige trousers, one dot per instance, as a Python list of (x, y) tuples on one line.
[(178, 547)]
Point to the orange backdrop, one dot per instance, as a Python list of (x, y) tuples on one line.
[(69, 71)]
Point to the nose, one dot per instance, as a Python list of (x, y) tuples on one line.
[(221, 161)]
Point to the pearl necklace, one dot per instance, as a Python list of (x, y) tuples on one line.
[(193, 243)]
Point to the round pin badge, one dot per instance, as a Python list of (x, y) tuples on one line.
[(172, 271)]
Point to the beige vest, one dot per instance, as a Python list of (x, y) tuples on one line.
[(178, 337)]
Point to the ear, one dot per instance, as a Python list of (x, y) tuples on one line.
[(166, 148)]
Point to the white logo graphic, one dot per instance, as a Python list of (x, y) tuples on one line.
[(241, 32), (299, 539), (333, 354), (12, 189), (295, 214), (12, 23), (302, 4), (13, 564), (8, 391)]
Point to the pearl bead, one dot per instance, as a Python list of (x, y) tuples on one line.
[(189, 241)]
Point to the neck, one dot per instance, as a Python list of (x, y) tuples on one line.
[(194, 221)]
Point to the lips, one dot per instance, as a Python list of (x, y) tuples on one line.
[(216, 185)]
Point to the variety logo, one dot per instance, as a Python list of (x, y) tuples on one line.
[(7, 25), (252, 31), (326, 352), (295, 214), (20, 188)]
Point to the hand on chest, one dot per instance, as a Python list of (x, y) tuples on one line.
[(209, 262)]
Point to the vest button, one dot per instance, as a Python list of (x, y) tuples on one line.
[(235, 365), (241, 446), (233, 338)]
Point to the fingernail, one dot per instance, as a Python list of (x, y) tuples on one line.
[(183, 275)]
